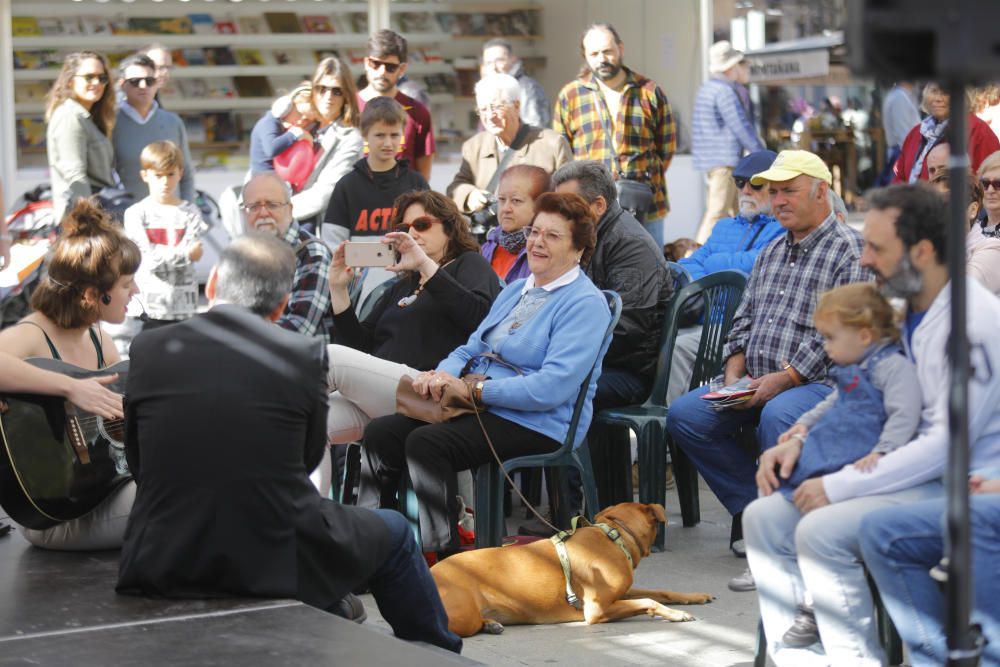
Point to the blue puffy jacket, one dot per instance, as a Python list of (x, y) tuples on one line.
[(734, 244)]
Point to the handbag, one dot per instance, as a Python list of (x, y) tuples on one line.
[(413, 405)]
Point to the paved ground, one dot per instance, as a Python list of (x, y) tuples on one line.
[(696, 559)]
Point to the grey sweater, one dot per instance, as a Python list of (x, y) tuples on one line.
[(80, 156), (130, 137)]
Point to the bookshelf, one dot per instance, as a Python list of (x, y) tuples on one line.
[(445, 41)]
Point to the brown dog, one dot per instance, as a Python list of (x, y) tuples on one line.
[(484, 589)]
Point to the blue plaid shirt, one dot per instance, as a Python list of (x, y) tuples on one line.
[(773, 324), (308, 310), (721, 127)]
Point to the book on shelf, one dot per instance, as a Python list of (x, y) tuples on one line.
[(252, 25), (317, 23), (523, 22), (31, 91), (226, 28), (180, 25), (282, 22), (293, 57), (326, 53), (95, 25), (52, 26), (249, 57), (25, 26), (430, 54), (194, 125), (202, 24), (193, 57), (253, 86), (219, 55), (448, 23), (440, 83), (43, 59), (497, 24), (220, 126), (193, 88), (339, 24), (416, 22), (31, 132), (220, 87), (356, 56), (116, 57), (359, 22)]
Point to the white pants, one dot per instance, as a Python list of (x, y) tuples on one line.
[(362, 387), (789, 553), (101, 528)]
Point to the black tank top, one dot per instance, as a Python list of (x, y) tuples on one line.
[(55, 353)]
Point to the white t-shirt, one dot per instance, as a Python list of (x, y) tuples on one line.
[(613, 98)]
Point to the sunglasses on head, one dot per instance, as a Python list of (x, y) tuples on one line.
[(93, 78), (336, 91), (987, 182), (421, 224), (740, 182), (378, 64), (137, 81)]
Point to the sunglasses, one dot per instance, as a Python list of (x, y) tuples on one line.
[(336, 91), (987, 182), (421, 224), (93, 78), (378, 64), (740, 182), (137, 81)]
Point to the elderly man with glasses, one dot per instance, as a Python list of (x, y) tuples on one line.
[(140, 122), (267, 207), (506, 141)]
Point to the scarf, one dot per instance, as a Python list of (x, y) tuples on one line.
[(931, 130), (513, 242)]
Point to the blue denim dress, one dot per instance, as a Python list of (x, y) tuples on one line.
[(852, 427)]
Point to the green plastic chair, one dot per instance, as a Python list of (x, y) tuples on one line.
[(721, 292), (489, 479), (366, 306)]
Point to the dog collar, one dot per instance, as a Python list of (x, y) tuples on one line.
[(559, 542)]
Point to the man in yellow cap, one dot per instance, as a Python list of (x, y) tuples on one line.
[(773, 340)]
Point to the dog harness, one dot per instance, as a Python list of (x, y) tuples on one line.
[(559, 541)]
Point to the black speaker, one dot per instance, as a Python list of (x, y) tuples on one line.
[(920, 39)]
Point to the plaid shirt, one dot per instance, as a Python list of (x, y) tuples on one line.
[(308, 309), (644, 131), (773, 324)]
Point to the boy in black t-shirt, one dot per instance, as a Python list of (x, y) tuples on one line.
[(361, 207)]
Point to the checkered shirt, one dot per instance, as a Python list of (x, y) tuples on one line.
[(308, 309), (644, 130), (773, 324)]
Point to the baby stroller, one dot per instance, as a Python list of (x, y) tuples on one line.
[(33, 225)]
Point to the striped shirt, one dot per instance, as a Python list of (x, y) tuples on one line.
[(721, 127), (774, 324), (308, 310), (644, 130)]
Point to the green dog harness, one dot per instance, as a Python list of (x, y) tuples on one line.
[(559, 541)]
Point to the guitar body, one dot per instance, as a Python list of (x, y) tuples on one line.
[(59, 462)]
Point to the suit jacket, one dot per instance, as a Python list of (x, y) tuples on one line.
[(226, 416), (543, 148)]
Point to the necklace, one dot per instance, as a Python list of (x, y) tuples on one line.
[(407, 300)]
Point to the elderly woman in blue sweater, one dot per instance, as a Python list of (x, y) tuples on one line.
[(547, 331)]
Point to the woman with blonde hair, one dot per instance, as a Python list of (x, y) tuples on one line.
[(80, 113)]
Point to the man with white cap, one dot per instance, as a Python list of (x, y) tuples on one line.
[(773, 339), (722, 131)]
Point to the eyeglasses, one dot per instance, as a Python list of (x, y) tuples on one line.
[(93, 78), (421, 224), (137, 81), (491, 109), (259, 206), (336, 91), (987, 182), (741, 182), (534, 233), (378, 64)]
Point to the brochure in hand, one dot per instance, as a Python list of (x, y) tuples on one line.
[(722, 398)]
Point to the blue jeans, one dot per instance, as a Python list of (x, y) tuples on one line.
[(655, 229), (405, 592), (617, 387), (709, 437), (901, 544)]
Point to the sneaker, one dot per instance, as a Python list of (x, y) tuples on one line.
[(803, 631), (739, 548), (743, 583), (351, 608)]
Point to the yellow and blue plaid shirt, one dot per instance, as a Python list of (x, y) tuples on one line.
[(645, 131)]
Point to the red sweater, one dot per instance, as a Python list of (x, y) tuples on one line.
[(982, 142)]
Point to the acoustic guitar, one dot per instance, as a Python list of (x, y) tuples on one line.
[(58, 461)]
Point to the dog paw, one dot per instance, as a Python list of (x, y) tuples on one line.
[(492, 627), (680, 616)]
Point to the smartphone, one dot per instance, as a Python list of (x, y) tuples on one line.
[(366, 253)]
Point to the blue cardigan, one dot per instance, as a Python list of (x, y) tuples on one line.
[(555, 350)]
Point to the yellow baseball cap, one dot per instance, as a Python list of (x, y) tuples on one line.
[(790, 164)]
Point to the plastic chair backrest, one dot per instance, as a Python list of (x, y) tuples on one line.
[(680, 275), (368, 304), (721, 292), (357, 282)]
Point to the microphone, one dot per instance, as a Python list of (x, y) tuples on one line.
[(144, 316)]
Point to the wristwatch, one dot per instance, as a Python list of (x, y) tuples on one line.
[(793, 374), (477, 392)]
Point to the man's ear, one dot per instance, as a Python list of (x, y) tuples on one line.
[(599, 206), (402, 68), (922, 254), (212, 284), (279, 310)]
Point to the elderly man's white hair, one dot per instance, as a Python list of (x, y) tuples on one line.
[(837, 205), (493, 85)]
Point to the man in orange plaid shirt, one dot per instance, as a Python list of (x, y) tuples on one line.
[(636, 109)]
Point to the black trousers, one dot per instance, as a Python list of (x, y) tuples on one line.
[(432, 454)]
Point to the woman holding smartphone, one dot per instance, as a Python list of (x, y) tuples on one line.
[(444, 291)]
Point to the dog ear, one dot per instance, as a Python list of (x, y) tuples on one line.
[(658, 512)]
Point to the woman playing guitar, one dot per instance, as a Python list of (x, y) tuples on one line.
[(90, 278)]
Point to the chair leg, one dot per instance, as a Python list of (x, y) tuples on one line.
[(653, 471), (488, 492), (760, 657), (686, 476), (582, 459), (409, 506), (611, 461), (352, 474)]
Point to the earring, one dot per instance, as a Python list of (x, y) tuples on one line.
[(106, 299)]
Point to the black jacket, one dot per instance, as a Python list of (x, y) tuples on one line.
[(226, 416), (627, 261)]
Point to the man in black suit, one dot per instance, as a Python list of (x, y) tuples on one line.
[(226, 417)]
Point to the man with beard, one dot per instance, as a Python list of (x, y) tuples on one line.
[(609, 96), (773, 340), (384, 67), (734, 244), (267, 206), (814, 542)]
